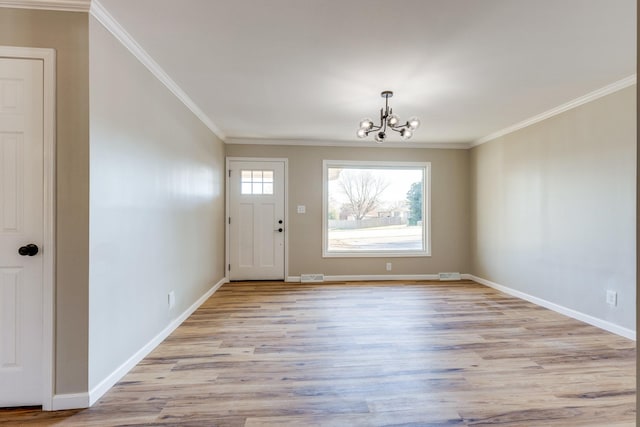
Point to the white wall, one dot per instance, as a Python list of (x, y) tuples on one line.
[(553, 208), (156, 206)]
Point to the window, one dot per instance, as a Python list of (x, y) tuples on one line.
[(256, 181), (375, 209)]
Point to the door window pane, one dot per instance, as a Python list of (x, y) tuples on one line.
[(256, 182)]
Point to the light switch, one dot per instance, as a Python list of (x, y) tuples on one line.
[(302, 209)]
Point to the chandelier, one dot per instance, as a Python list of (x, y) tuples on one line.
[(387, 120)]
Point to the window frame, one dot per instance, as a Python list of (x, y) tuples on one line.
[(374, 164)]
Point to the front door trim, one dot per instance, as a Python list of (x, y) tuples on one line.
[(48, 57), (227, 209)]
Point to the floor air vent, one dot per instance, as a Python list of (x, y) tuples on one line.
[(449, 276), (310, 278)]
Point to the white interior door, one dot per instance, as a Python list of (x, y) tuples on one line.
[(256, 220), (21, 224)]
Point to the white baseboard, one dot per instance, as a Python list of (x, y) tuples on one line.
[(62, 402), (376, 277), (98, 391), (594, 321)]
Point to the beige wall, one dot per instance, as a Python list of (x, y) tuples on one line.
[(449, 208), (157, 206), (637, 219), (553, 208), (67, 33)]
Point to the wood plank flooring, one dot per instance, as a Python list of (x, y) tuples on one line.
[(370, 354)]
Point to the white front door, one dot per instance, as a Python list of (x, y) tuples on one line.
[(256, 218), (21, 224)]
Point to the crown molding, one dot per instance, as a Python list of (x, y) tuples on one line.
[(334, 143), (591, 96), (60, 5), (100, 13)]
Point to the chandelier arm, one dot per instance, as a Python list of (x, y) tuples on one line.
[(406, 125), (373, 129)]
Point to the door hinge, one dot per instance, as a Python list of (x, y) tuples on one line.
[(229, 268), (229, 173), (229, 220)]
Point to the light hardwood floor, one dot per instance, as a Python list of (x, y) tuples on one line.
[(370, 354)]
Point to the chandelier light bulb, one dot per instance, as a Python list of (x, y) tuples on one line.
[(393, 120), (380, 137), (406, 133), (366, 124), (361, 133), (413, 123)]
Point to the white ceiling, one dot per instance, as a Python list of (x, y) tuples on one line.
[(309, 70)]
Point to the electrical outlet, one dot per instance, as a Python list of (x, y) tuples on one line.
[(171, 299), (388, 266), (612, 298)]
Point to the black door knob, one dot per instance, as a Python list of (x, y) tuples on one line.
[(280, 221), (280, 230), (29, 250)]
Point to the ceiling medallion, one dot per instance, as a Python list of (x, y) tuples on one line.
[(387, 120)]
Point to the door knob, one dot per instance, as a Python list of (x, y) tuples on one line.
[(279, 221), (280, 230), (28, 250)]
